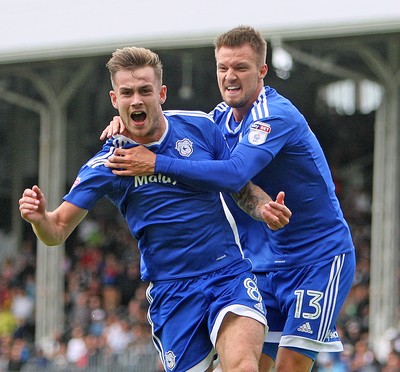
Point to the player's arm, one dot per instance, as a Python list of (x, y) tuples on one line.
[(259, 205), (52, 228), (139, 161), (228, 175)]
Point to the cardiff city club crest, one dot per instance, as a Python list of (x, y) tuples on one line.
[(184, 147), (258, 133), (170, 359)]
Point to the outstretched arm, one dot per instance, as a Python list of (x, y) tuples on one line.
[(52, 228)]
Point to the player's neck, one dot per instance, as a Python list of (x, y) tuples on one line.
[(239, 114)]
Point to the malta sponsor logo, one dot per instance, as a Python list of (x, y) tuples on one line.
[(184, 147), (258, 133), (154, 178), (170, 359), (305, 328)]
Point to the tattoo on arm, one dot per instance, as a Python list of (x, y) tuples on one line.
[(251, 199)]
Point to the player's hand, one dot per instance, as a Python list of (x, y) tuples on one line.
[(276, 214), (135, 161), (32, 204), (115, 127)]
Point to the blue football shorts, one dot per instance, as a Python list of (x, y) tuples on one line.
[(186, 315), (303, 305)]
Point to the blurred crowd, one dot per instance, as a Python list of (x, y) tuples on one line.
[(358, 355), (106, 324), (106, 327)]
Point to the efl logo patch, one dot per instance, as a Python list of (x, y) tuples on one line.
[(258, 133), (184, 147)]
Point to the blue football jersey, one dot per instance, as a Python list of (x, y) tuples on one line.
[(275, 148), (182, 232)]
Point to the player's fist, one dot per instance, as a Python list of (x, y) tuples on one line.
[(276, 213), (32, 204)]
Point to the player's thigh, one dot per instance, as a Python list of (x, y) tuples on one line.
[(237, 320), (237, 293), (240, 338)]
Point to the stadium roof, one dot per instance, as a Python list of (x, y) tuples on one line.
[(43, 29)]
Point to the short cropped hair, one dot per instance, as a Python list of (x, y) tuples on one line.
[(131, 58), (244, 35)]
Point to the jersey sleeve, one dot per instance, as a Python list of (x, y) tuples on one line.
[(259, 145), (91, 184), (228, 175)]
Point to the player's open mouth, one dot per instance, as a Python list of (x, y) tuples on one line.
[(232, 88), (138, 117)]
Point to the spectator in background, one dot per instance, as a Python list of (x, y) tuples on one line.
[(76, 352), (118, 335), (22, 307), (8, 321), (19, 355), (393, 362), (127, 282), (364, 358), (97, 316), (80, 312), (110, 270)]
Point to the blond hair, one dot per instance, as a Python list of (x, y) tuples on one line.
[(131, 58), (244, 35)]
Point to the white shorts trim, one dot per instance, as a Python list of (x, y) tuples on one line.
[(308, 344), (240, 310)]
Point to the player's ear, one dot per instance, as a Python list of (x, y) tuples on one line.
[(163, 94), (113, 98), (263, 71)]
